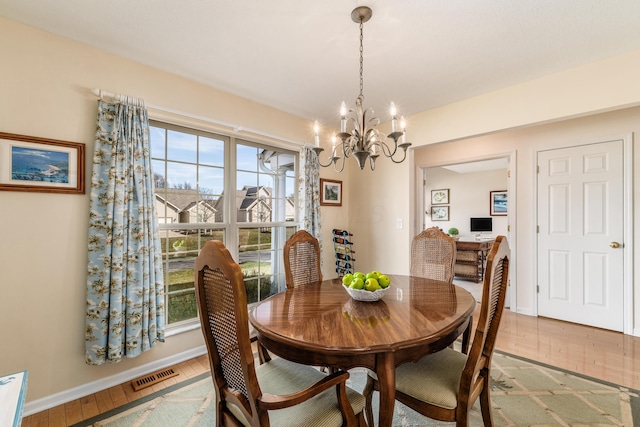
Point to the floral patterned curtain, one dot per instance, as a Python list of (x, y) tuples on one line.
[(125, 291), (309, 193)]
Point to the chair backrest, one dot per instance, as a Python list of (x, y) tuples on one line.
[(493, 299), (222, 304), (302, 259), (433, 255)]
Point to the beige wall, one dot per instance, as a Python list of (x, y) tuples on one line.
[(45, 82)]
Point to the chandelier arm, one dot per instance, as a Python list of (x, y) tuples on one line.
[(319, 150), (403, 157), (328, 164), (345, 155), (387, 151), (335, 164)]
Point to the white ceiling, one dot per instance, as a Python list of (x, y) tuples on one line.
[(301, 56)]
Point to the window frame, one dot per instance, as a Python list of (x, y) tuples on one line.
[(230, 226)]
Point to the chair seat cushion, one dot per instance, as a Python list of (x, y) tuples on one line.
[(434, 379), (280, 376)]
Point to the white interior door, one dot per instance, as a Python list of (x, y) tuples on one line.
[(580, 247)]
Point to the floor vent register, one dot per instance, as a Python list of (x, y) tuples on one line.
[(153, 378)]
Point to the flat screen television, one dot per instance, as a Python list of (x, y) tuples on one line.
[(481, 225)]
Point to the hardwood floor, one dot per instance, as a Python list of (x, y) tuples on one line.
[(607, 355), (602, 354), (90, 406)]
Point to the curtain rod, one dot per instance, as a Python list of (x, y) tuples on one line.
[(234, 127)]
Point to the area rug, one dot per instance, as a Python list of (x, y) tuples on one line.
[(523, 393)]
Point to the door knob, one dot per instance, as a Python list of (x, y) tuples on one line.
[(614, 245)]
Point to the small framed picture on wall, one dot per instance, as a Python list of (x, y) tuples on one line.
[(29, 163), (440, 197), (498, 203), (330, 192), (440, 213)]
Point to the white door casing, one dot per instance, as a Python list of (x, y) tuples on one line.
[(580, 217)]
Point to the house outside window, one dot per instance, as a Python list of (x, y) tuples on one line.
[(194, 171)]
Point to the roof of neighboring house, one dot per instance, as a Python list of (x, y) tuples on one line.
[(181, 199), (209, 204), (251, 196), (246, 197)]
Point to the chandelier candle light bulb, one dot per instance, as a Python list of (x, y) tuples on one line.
[(403, 125), (393, 118), (343, 117), (364, 141), (316, 129)]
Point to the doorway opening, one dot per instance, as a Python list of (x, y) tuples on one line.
[(471, 189)]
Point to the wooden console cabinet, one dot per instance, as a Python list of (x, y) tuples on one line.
[(471, 257)]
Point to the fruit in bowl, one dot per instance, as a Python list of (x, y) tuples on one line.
[(366, 287)]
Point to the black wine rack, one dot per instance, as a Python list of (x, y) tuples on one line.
[(342, 245)]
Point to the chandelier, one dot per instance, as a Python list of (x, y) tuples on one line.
[(363, 141)]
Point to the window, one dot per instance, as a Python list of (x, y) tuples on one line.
[(194, 171)]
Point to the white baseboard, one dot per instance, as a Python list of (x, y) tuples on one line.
[(525, 311), (63, 397)]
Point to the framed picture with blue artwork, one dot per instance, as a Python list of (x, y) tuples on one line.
[(440, 213), (498, 203), (29, 163)]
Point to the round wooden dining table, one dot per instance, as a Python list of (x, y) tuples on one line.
[(320, 324)]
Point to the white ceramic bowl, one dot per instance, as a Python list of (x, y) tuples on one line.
[(364, 295)]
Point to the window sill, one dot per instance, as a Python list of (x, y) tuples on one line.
[(182, 327)]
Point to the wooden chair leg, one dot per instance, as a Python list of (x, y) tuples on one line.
[(368, 394), (263, 355), (485, 400), (361, 421), (466, 337)]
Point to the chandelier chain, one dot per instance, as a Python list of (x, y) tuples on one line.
[(361, 60)]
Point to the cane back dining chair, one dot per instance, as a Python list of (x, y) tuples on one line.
[(445, 385), (433, 255), (302, 259), (276, 393)]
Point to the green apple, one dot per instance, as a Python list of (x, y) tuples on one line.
[(383, 280), (347, 279), (373, 275), (360, 275), (371, 284), (357, 283)]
